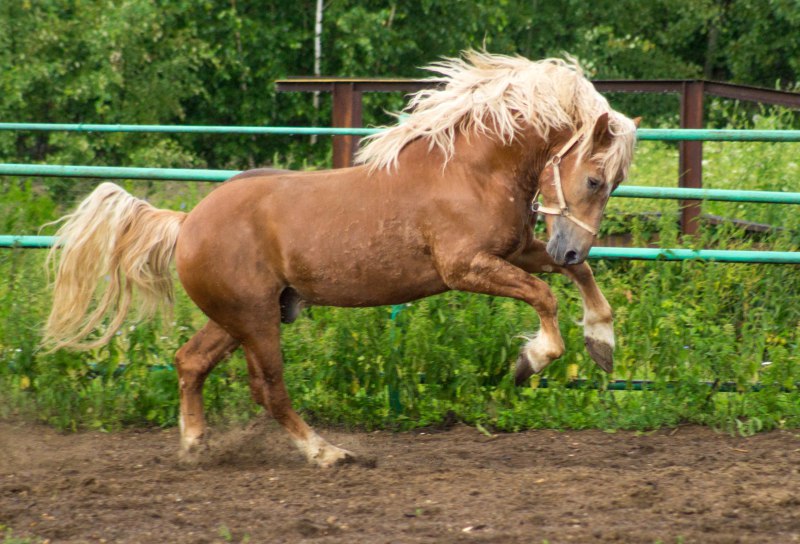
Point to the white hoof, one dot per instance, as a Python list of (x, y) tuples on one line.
[(331, 455), (323, 454), (193, 450)]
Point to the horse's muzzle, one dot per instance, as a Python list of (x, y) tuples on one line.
[(569, 258), (568, 244)]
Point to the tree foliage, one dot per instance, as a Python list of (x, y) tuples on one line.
[(215, 62)]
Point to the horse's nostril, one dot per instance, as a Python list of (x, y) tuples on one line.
[(571, 257)]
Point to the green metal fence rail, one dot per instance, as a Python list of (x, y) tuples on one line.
[(716, 135), (189, 129), (609, 253), (723, 195), (116, 172), (27, 242), (714, 255), (188, 174), (646, 385), (644, 134)]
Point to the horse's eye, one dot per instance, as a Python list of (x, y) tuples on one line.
[(594, 183)]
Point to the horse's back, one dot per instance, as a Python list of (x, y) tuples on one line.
[(258, 172), (333, 236)]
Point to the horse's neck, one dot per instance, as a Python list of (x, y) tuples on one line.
[(517, 166), (478, 159)]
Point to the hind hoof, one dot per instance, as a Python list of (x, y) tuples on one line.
[(523, 370), (331, 456), (192, 456), (535, 356)]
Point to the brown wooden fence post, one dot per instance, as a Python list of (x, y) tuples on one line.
[(690, 164), (346, 114)]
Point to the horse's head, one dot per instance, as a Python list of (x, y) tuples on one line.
[(575, 187)]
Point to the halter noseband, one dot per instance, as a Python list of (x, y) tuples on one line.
[(563, 209)]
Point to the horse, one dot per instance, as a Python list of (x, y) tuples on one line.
[(443, 200)]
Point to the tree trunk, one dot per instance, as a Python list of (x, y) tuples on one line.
[(317, 58)]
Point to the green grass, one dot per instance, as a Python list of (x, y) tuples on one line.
[(8, 537), (679, 324)]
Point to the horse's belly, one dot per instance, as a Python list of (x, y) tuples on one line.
[(367, 284)]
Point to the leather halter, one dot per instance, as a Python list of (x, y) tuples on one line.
[(563, 209)]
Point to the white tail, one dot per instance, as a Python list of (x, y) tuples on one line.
[(118, 243)]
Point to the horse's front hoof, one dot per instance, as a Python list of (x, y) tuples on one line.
[(601, 353)]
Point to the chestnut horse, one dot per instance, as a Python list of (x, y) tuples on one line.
[(441, 201)]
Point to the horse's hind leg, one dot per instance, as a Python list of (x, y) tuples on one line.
[(598, 320), (262, 348), (194, 361)]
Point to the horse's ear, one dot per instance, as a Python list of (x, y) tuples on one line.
[(636, 121), (601, 136)]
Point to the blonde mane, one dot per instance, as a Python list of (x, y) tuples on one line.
[(498, 96)]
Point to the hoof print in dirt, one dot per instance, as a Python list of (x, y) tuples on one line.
[(601, 353), (347, 459), (193, 458), (367, 462)]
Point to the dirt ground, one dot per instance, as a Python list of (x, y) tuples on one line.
[(687, 484)]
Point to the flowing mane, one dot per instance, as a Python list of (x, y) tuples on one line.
[(499, 95)]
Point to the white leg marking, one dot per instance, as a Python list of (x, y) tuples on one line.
[(186, 441), (319, 452), (541, 350), (598, 327), (190, 445)]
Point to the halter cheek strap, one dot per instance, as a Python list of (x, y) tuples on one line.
[(563, 209)]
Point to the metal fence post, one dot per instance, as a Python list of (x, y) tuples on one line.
[(690, 164)]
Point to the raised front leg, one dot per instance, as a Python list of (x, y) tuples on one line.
[(492, 275), (194, 361), (598, 320)]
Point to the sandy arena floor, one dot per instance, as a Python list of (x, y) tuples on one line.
[(687, 484)]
